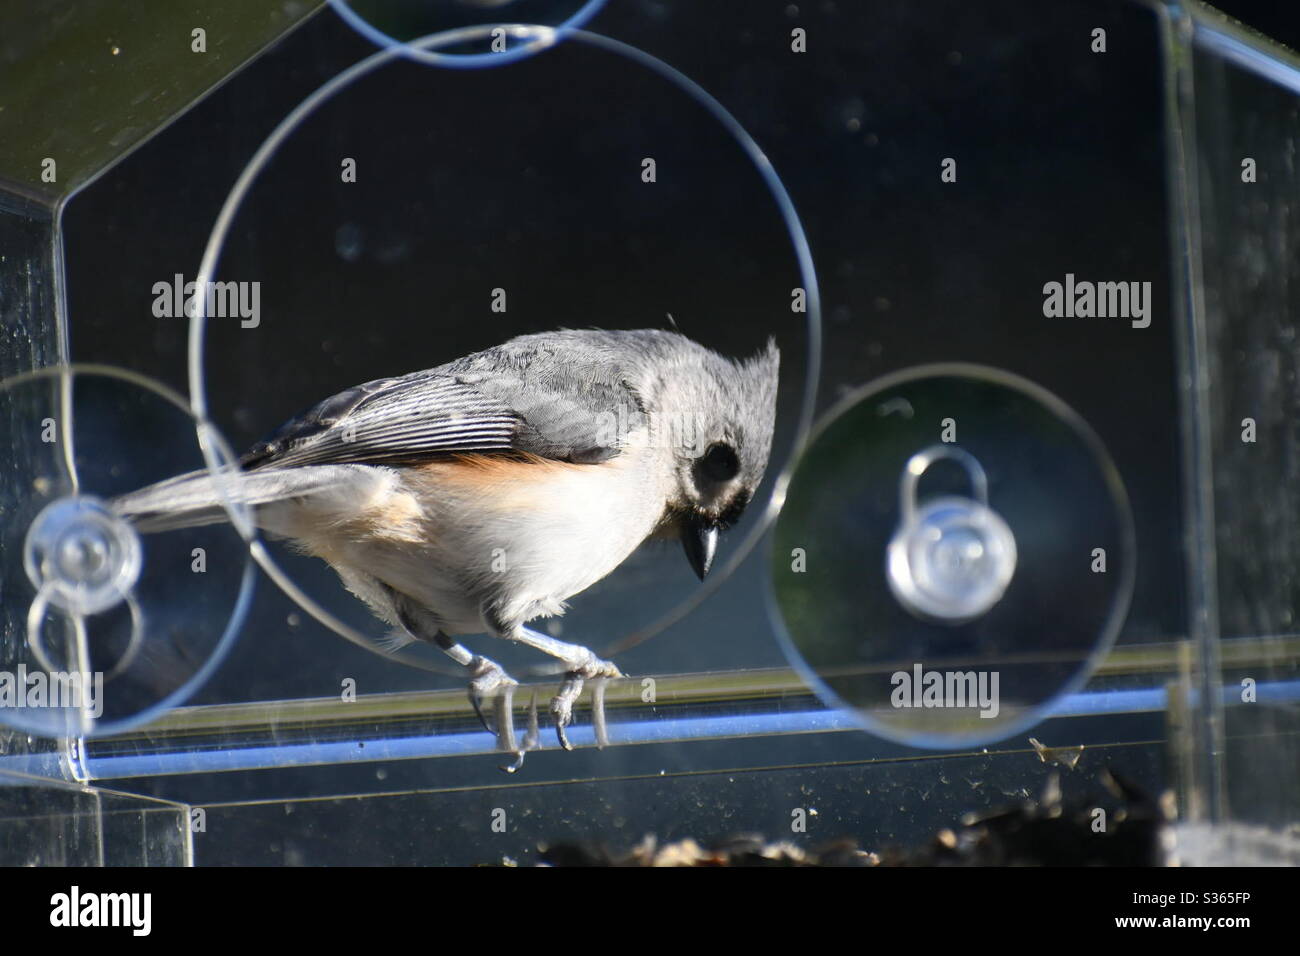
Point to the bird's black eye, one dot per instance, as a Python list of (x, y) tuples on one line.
[(719, 463)]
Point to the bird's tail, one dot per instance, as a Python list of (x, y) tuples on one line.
[(196, 498)]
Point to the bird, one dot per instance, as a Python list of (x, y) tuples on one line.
[(482, 494)]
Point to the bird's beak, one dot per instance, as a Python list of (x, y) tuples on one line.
[(699, 541)]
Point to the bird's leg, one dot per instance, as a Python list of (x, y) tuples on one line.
[(487, 678), (580, 665), (488, 681)]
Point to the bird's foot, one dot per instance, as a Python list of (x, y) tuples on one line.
[(490, 683), (562, 705)]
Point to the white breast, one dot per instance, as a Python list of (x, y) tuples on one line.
[(527, 535)]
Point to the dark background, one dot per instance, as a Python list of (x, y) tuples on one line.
[(1279, 21)]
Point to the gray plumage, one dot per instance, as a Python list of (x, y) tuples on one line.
[(482, 493), (547, 394)]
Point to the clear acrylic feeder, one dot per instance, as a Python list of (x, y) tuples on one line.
[(1029, 537)]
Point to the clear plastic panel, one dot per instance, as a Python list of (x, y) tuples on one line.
[(1245, 100), (923, 174)]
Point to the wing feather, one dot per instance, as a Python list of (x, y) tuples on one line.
[(567, 414)]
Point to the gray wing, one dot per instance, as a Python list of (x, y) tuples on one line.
[(499, 401)]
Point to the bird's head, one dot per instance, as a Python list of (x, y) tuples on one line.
[(725, 413)]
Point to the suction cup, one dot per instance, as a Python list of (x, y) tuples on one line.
[(954, 553), (103, 628)]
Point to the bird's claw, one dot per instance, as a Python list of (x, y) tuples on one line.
[(562, 707), (562, 704), (489, 680), (532, 739)]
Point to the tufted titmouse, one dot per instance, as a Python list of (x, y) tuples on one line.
[(478, 495)]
